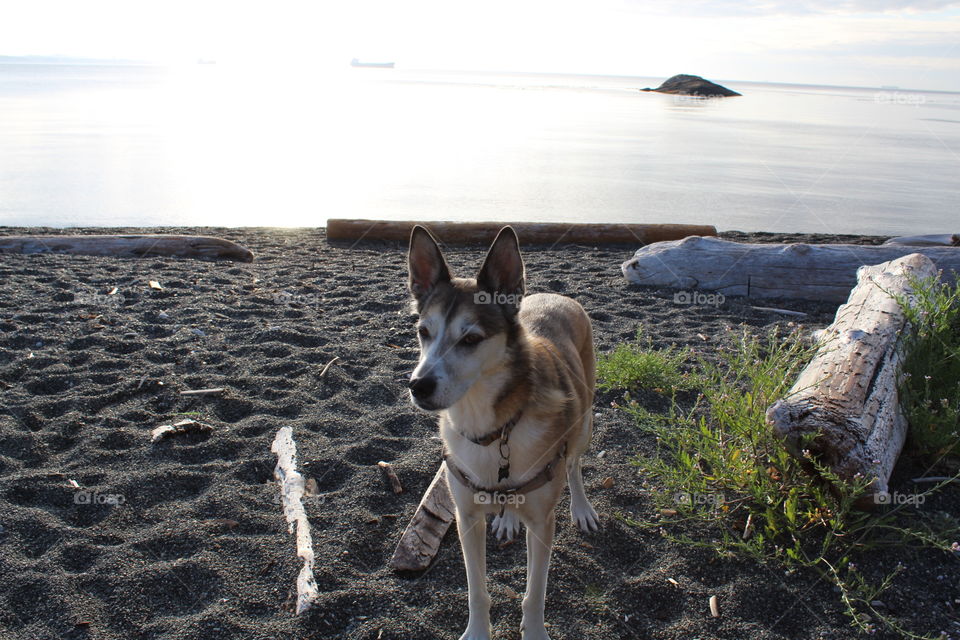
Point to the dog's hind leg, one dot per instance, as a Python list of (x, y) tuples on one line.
[(506, 525), (472, 528), (581, 511), (539, 546)]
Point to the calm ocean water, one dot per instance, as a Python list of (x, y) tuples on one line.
[(215, 145)]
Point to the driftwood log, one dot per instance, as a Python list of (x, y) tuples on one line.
[(808, 272), (529, 232), (132, 245), (847, 397), (422, 537), (935, 240)]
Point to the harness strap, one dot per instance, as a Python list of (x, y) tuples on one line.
[(500, 496)]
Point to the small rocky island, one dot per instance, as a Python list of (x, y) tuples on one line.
[(688, 85)]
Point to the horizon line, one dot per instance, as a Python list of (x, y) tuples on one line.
[(63, 58)]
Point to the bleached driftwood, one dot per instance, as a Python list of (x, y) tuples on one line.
[(201, 392), (129, 245), (936, 240), (291, 492), (809, 272), (529, 232), (422, 537), (183, 426), (847, 396)]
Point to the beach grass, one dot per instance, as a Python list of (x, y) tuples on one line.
[(730, 485), (930, 388)]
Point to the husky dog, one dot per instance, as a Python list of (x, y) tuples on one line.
[(512, 378)]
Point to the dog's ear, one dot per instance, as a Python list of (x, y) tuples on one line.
[(502, 270), (427, 264)]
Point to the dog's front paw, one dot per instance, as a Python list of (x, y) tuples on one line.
[(507, 525), (535, 633), (476, 634), (585, 517)]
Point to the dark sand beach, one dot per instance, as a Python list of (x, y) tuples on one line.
[(185, 538)]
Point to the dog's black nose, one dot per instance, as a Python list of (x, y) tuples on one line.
[(424, 387)]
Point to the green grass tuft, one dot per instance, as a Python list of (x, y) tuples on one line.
[(639, 366)]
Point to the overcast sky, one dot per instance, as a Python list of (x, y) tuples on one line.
[(908, 43)]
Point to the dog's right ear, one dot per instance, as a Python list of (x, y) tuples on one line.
[(427, 264)]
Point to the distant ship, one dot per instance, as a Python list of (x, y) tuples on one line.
[(374, 65)]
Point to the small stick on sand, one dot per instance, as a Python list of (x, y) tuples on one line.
[(323, 371), (391, 475), (787, 312), (291, 492), (201, 392), (714, 607)]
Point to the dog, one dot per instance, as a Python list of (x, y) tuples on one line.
[(512, 378)]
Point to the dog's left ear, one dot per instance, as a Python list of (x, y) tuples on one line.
[(502, 270)]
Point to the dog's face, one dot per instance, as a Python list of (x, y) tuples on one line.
[(467, 327)]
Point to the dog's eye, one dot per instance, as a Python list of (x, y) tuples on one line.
[(424, 333), (471, 339)]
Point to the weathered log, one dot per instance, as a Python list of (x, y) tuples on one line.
[(129, 245), (422, 537), (936, 240), (529, 232), (847, 397), (808, 272)]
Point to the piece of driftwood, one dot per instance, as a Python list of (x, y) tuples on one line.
[(292, 489), (132, 245), (935, 240), (824, 272), (422, 537), (323, 371), (847, 398), (202, 392), (529, 232), (388, 471), (786, 312), (183, 426)]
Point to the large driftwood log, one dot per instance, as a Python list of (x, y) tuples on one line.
[(847, 396), (129, 245), (807, 272), (422, 537), (529, 232), (936, 240)]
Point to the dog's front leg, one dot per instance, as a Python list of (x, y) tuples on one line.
[(539, 546), (472, 527)]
